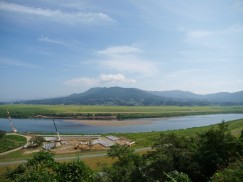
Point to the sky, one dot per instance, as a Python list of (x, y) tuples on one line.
[(52, 48)]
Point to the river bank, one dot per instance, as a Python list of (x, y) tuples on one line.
[(111, 122)]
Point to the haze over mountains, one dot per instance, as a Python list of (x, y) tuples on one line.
[(133, 96)]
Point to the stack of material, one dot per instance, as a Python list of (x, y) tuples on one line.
[(106, 143), (112, 138), (48, 146), (51, 139)]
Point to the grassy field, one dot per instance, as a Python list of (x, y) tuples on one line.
[(9, 142), (122, 112), (145, 139)]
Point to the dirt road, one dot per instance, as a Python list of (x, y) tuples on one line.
[(70, 157)]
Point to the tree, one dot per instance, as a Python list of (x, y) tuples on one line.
[(128, 168), (215, 149), (176, 176), (234, 172), (75, 171), (2, 133), (39, 168), (170, 152), (43, 168), (37, 140)]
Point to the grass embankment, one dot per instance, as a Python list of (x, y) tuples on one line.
[(8, 142), (121, 112), (145, 139)]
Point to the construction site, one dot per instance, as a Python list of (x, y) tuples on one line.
[(76, 143), (61, 144)]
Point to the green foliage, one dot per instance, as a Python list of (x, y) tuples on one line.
[(8, 142), (75, 171), (241, 136), (234, 172), (38, 172), (41, 157), (2, 134), (39, 168), (128, 168), (215, 149), (175, 176), (170, 152), (43, 168), (37, 140), (121, 152)]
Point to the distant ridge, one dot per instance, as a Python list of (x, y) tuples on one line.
[(133, 96), (236, 97), (177, 94)]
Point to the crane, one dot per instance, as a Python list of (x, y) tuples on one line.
[(58, 136), (14, 130)]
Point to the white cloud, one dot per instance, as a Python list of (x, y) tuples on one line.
[(79, 5), (222, 39), (102, 79), (131, 65), (118, 50), (127, 59), (52, 41), (81, 81), (198, 34), (58, 15), (202, 38), (115, 78)]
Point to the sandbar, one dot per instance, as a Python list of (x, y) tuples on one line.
[(111, 122)]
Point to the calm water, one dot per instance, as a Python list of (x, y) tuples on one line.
[(155, 124)]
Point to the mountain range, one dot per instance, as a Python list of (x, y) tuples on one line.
[(133, 96)]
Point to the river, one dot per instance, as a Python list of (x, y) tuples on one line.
[(153, 124)]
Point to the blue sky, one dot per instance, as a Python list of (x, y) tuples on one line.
[(51, 48)]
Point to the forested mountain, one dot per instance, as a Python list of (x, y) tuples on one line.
[(133, 96), (221, 97), (226, 97), (177, 94), (109, 96)]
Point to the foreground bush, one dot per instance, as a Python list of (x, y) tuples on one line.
[(234, 172), (2, 133), (43, 168)]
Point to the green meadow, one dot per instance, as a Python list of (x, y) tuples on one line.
[(121, 112), (8, 142)]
